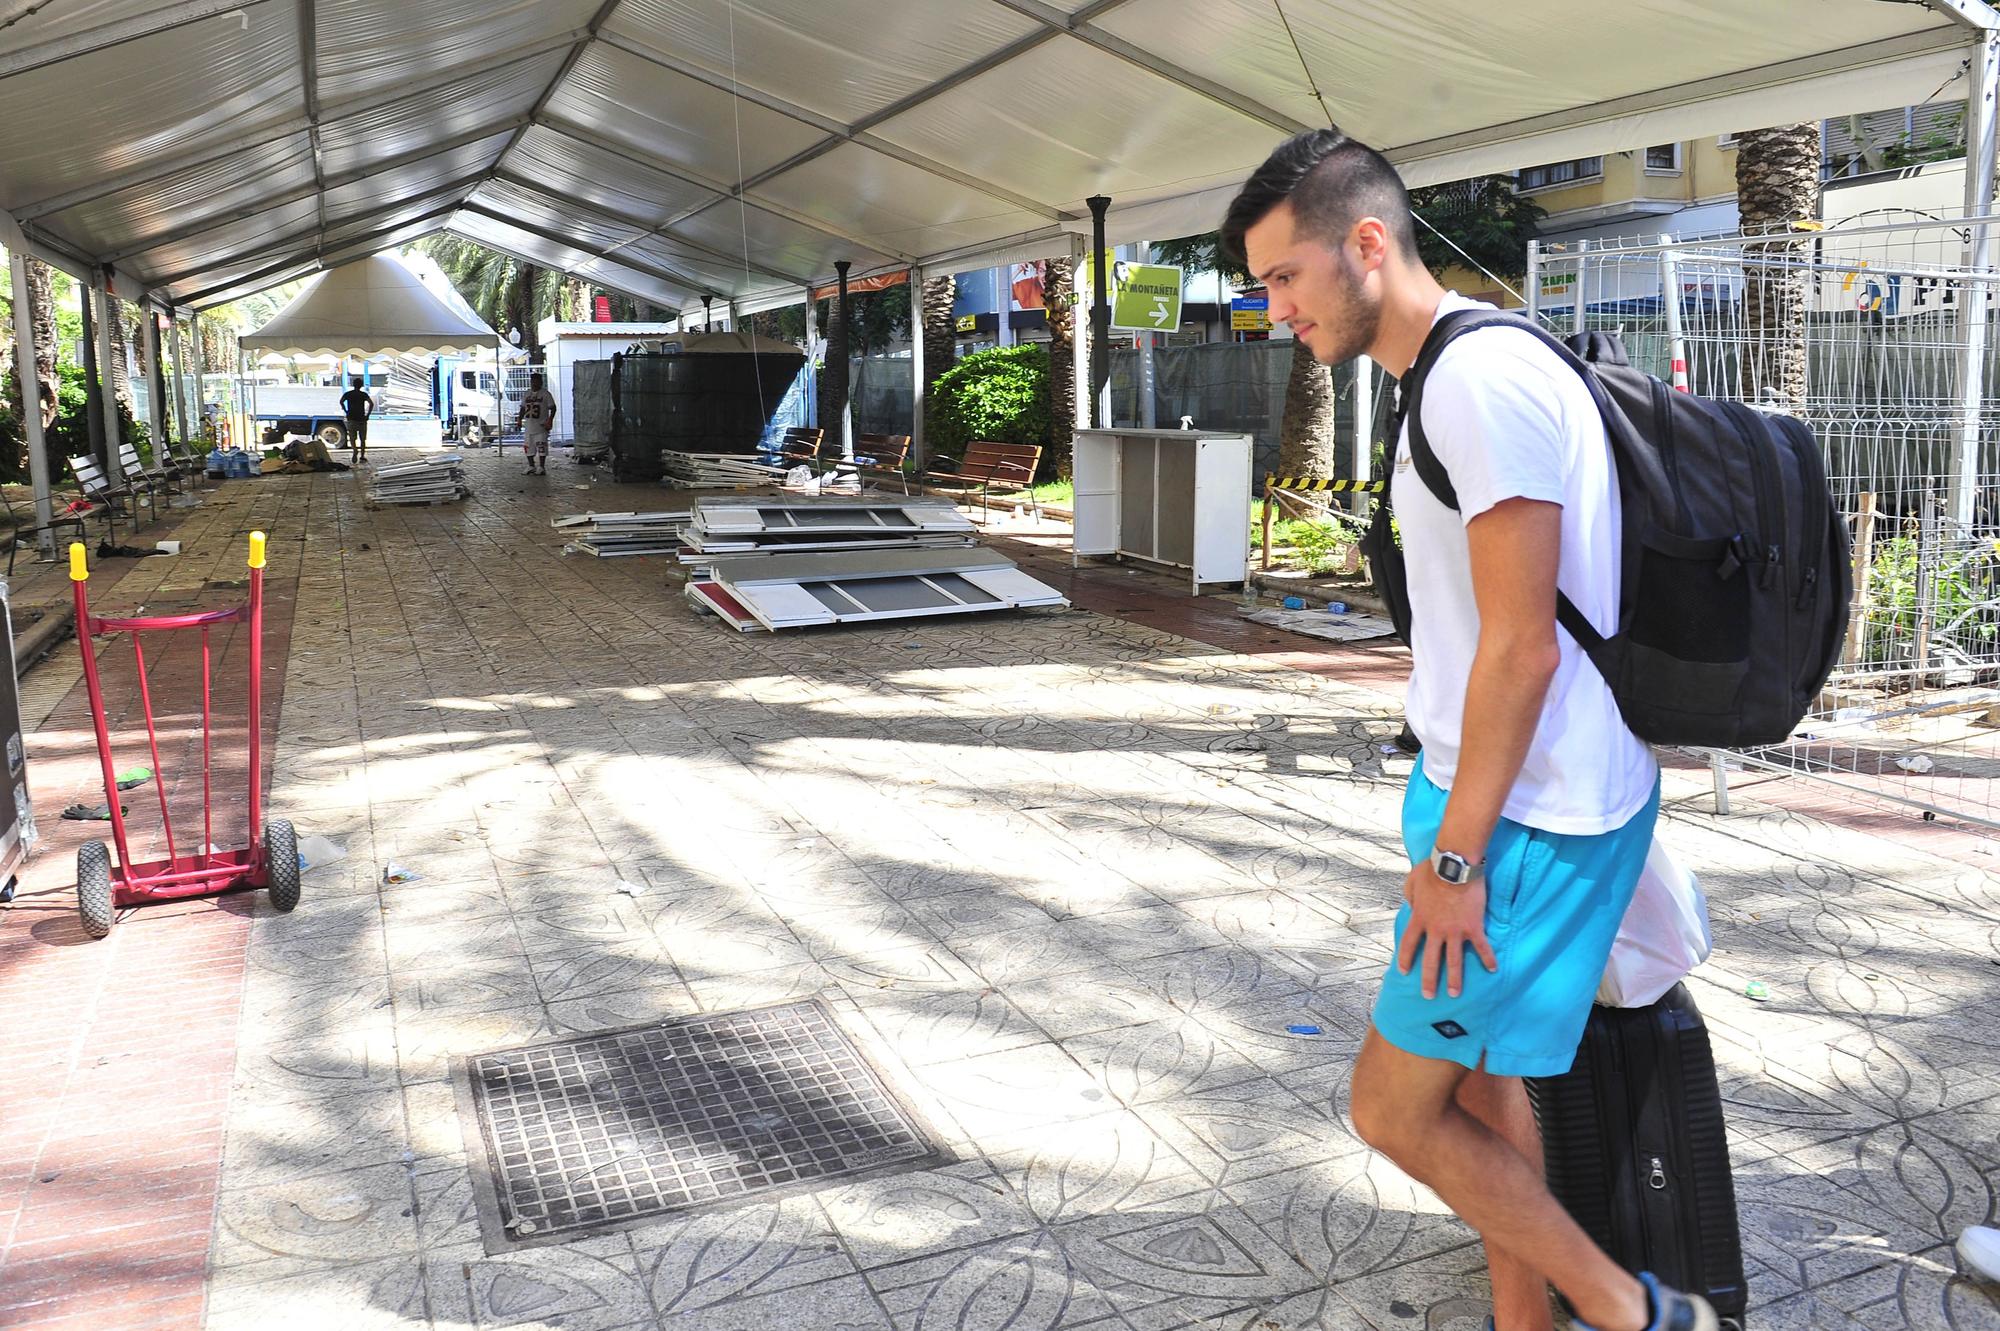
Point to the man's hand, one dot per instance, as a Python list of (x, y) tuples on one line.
[(1450, 919)]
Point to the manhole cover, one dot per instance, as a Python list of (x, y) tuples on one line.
[(609, 1130)]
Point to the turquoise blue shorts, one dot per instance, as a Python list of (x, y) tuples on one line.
[(1553, 906)]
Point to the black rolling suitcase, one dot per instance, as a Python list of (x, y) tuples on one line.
[(1635, 1150)]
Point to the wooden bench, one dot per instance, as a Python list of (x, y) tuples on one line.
[(987, 464), (878, 457), (800, 447)]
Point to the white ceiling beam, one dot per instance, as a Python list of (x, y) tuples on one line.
[(638, 224), (836, 133), (721, 189), (202, 226), (118, 33), (300, 262), (277, 131), (453, 193), (636, 264)]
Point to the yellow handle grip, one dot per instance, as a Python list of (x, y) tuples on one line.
[(256, 549), (79, 570)]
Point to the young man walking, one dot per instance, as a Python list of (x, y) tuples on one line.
[(1528, 817), (537, 415), (357, 406)]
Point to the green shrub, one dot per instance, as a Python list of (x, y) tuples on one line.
[(1001, 395)]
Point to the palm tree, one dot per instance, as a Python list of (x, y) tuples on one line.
[(940, 338), (1777, 187), (1059, 298)]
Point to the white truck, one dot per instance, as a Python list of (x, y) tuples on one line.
[(300, 409)]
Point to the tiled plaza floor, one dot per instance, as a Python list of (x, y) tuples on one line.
[(1071, 874)]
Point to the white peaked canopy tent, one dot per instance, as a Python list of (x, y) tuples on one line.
[(185, 152), (370, 307)]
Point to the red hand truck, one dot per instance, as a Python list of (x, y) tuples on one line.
[(274, 863)]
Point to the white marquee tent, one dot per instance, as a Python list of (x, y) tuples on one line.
[(189, 151)]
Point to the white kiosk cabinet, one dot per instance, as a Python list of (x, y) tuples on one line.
[(1177, 497)]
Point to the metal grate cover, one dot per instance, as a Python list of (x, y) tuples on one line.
[(613, 1129)]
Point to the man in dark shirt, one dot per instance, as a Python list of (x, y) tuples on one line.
[(359, 407)]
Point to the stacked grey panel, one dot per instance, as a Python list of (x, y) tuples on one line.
[(435, 480), (610, 535), (715, 471), (752, 526)]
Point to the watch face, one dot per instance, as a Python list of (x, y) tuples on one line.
[(1451, 868)]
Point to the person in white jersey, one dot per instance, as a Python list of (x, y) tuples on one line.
[(538, 414), (1529, 814)]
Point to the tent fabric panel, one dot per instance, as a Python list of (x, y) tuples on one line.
[(220, 245), (414, 179), (365, 46), (83, 119), (836, 58), (913, 211), (568, 259), (574, 168), (535, 208), (675, 119), (128, 219), (351, 142), (1058, 124), (48, 23), (1463, 64), (773, 241)]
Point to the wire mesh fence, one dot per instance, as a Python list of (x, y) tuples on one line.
[(1879, 335)]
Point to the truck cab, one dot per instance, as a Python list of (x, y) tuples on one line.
[(464, 399)]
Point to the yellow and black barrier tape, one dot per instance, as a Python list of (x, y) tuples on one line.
[(1319, 483)]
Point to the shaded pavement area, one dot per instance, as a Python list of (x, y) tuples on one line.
[(1072, 877)]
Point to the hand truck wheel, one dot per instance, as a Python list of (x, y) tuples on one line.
[(93, 888), (281, 863)]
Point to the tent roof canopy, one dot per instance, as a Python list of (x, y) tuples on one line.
[(676, 149), (369, 307)]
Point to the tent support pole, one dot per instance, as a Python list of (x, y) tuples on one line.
[(1100, 314), (1980, 136), (917, 366)]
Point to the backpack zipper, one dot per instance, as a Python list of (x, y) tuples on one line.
[(1670, 449), (1812, 475), (1750, 431)]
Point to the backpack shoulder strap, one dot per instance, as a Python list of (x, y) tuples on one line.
[(1410, 397), (1411, 386)]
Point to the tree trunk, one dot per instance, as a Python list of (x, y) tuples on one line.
[(1059, 295), (1306, 438), (1777, 184), (833, 377), (119, 373), (940, 340), (42, 311), (521, 308)]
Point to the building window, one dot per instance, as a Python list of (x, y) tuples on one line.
[(1666, 157), (1725, 140), (1560, 173)]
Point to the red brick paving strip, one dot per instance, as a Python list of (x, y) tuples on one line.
[(119, 1055)]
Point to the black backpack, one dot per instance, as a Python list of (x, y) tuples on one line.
[(1732, 607)]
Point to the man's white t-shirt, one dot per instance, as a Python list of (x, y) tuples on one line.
[(1509, 420)]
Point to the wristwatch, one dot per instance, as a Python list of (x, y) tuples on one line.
[(1453, 868)]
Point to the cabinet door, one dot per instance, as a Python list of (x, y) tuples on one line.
[(1094, 473), (1222, 510)]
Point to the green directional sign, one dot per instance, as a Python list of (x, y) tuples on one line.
[(1146, 297)]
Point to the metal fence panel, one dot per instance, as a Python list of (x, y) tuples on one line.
[(1900, 374)]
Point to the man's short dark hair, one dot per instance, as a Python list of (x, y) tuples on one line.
[(1332, 182)]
